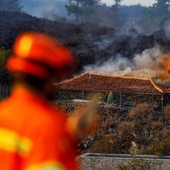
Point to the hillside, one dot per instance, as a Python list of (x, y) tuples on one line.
[(90, 43)]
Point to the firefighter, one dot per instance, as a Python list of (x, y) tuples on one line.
[(33, 135)]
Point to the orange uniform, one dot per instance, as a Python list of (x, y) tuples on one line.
[(33, 135)]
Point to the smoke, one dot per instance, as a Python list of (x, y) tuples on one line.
[(110, 67), (167, 29), (44, 8), (147, 64), (125, 17)]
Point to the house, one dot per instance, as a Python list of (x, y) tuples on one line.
[(127, 91)]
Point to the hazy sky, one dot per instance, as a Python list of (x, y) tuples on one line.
[(131, 2)]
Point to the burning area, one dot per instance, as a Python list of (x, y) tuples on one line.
[(153, 63), (97, 48)]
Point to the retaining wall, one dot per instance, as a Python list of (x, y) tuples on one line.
[(111, 161)]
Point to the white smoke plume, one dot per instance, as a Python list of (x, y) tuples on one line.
[(147, 64)]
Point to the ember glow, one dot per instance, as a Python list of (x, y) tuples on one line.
[(166, 63), (166, 66)]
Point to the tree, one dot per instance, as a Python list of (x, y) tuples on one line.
[(116, 7), (10, 5), (114, 14), (80, 7), (162, 11), (158, 14), (117, 2)]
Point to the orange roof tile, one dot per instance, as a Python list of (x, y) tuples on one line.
[(102, 82)]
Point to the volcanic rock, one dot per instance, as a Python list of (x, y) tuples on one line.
[(89, 43)]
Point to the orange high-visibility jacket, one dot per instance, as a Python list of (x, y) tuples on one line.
[(33, 135)]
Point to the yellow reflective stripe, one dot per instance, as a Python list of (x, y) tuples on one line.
[(12, 142), (49, 165)]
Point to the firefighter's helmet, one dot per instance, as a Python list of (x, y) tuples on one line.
[(38, 54)]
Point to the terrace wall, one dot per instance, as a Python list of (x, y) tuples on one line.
[(111, 161)]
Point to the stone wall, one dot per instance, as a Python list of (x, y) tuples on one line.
[(111, 161)]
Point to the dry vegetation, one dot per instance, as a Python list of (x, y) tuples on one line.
[(139, 130)]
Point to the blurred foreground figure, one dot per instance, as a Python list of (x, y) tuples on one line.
[(33, 135)]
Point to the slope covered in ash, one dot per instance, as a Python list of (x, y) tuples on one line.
[(90, 43)]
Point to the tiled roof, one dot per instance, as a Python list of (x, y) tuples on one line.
[(102, 82)]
